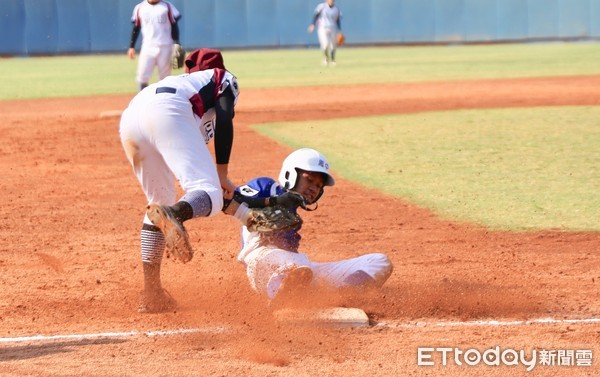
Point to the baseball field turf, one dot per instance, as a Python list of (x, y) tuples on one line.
[(516, 169), (86, 75)]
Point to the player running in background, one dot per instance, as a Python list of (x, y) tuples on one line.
[(157, 21), (164, 132), (327, 19), (274, 266)]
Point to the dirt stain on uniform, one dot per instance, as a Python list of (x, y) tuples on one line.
[(132, 150)]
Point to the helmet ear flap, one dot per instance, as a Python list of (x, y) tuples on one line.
[(288, 177), (287, 180)]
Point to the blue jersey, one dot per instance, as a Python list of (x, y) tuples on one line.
[(265, 187)]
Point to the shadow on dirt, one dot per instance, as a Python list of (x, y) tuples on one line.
[(39, 350)]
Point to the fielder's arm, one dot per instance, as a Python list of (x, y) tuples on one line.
[(135, 32)]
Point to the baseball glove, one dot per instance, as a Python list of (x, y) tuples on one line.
[(340, 39), (273, 219), (178, 56)]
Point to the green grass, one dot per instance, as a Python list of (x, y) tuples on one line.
[(519, 169), (506, 169), (65, 76)]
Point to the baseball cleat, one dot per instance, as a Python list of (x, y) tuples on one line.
[(176, 238)]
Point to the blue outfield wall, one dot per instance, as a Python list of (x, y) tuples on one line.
[(30, 27)]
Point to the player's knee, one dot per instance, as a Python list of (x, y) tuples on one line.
[(386, 267), (381, 267), (214, 193)]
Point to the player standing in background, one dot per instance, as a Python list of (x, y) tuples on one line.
[(157, 20), (327, 18), (164, 132), (274, 266)]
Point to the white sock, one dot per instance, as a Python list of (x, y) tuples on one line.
[(243, 213)]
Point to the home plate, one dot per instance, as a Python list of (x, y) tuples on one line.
[(110, 114), (334, 317)]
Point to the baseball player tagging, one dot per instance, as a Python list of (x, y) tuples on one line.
[(164, 132)]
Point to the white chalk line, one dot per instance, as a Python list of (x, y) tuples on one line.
[(397, 324), (34, 338), (222, 329)]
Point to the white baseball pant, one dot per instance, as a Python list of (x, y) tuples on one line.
[(161, 137), (327, 38), (266, 267), (151, 56)]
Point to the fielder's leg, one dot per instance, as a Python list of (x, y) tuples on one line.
[(323, 42), (163, 61), (154, 298), (146, 63), (169, 219), (157, 183)]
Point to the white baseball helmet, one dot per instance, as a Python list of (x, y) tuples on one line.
[(306, 159)]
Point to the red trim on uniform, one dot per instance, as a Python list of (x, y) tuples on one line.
[(218, 77), (138, 22), (196, 99), (197, 105), (170, 14)]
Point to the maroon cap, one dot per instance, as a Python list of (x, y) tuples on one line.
[(203, 59)]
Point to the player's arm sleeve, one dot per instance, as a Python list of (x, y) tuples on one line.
[(224, 126), (316, 15), (135, 32), (252, 202), (175, 30), (256, 193)]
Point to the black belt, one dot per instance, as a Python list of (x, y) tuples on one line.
[(166, 89)]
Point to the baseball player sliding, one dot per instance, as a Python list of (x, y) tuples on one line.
[(273, 264), (157, 21)]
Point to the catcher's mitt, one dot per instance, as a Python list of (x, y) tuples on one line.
[(273, 219), (178, 56), (340, 39)]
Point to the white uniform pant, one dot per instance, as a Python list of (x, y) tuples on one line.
[(154, 56), (327, 38), (161, 137), (266, 267)]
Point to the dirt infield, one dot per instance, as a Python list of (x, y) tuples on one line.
[(70, 264)]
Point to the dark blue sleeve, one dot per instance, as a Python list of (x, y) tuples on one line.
[(254, 192), (258, 188)]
